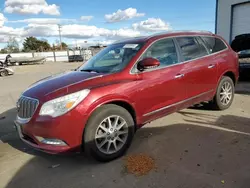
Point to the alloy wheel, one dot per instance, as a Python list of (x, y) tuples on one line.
[(226, 93), (111, 134)]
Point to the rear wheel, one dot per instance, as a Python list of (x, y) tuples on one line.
[(108, 133), (225, 94)]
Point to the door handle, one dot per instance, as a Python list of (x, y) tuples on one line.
[(211, 66), (179, 75)]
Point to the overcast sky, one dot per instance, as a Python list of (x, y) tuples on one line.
[(101, 21)]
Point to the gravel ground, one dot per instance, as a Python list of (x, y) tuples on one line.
[(194, 148)]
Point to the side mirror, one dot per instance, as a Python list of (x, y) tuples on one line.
[(148, 63)]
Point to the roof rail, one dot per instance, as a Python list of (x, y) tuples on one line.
[(194, 31), (179, 31)]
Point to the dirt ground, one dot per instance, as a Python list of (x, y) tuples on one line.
[(194, 148)]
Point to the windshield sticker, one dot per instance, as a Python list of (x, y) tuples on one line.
[(130, 46)]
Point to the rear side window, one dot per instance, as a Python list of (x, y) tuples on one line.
[(191, 48), (214, 44)]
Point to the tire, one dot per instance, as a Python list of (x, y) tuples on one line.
[(92, 130), (218, 102), (4, 73)]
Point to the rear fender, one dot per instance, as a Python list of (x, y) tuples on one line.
[(223, 75)]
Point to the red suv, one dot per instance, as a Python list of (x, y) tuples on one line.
[(99, 106)]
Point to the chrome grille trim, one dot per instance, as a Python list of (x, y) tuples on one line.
[(26, 107)]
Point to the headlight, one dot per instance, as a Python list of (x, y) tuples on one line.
[(62, 105)]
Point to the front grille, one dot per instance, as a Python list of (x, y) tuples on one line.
[(26, 107)]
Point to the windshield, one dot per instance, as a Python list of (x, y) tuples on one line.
[(113, 58)]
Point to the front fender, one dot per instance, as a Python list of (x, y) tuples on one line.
[(108, 99)]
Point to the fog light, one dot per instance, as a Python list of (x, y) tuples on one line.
[(51, 141)]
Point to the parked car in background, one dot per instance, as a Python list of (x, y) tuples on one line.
[(99, 106), (244, 65), (244, 54), (244, 69), (241, 43), (75, 58)]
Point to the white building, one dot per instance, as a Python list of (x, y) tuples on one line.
[(232, 18)]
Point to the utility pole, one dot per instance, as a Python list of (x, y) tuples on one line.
[(76, 44), (86, 43), (60, 36)]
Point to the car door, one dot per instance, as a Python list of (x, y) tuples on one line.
[(216, 47), (161, 88), (200, 69)]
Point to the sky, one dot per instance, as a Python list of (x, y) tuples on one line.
[(100, 21)]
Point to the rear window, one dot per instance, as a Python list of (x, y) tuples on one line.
[(191, 48), (214, 44)]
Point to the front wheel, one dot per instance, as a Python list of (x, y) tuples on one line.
[(4, 73), (108, 133), (225, 94)]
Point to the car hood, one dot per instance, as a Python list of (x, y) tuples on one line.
[(58, 83)]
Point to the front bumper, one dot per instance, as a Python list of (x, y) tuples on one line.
[(68, 128), (31, 141)]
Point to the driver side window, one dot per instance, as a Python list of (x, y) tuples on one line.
[(164, 51)]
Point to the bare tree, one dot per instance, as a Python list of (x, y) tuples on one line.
[(12, 45)]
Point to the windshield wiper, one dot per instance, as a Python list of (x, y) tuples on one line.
[(89, 70)]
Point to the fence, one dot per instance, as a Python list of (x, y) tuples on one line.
[(54, 55)]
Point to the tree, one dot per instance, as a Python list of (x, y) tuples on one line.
[(64, 46), (4, 51), (57, 45), (12, 45), (32, 43), (44, 46)]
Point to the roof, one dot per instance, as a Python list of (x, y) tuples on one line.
[(162, 34), (134, 40)]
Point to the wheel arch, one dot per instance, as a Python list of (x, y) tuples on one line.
[(122, 102), (127, 106), (231, 75), (228, 73)]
